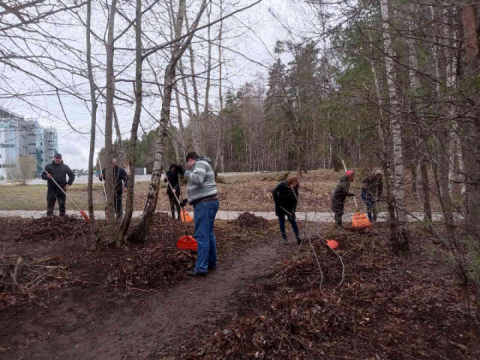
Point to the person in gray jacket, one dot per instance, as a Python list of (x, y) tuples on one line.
[(202, 194)]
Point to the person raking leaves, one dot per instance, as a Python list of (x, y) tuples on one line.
[(202, 194), (119, 186), (371, 191), (340, 193), (285, 196), (173, 188), (57, 171)]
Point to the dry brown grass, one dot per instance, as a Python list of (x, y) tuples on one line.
[(243, 192)]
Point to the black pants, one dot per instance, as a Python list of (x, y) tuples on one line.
[(174, 204), (117, 203), (54, 195), (338, 218)]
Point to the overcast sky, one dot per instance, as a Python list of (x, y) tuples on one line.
[(252, 33)]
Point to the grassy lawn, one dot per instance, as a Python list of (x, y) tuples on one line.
[(244, 192)]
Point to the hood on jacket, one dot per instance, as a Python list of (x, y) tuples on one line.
[(55, 164), (206, 158), (172, 165), (344, 178)]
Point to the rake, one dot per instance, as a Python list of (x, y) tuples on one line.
[(85, 216), (185, 242)]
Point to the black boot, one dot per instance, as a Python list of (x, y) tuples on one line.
[(285, 239), (299, 239)]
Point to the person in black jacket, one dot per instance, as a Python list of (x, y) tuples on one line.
[(57, 171), (340, 193), (372, 189), (119, 185), (173, 188), (285, 196)]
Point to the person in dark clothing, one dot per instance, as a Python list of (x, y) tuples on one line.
[(285, 196), (372, 189), (173, 188), (119, 185), (342, 190), (57, 171)]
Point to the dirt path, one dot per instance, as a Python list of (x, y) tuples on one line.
[(159, 326)]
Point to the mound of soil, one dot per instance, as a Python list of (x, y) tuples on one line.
[(387, 308), (156, 267), (165, 230), (54, 229), (247, 219)]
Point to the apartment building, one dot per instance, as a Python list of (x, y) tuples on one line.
[(24, 137)]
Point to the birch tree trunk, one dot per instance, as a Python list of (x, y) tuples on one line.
[(386, 145), (399, 237), (151, 203), (136, 121), (110, 85), (93, 123)]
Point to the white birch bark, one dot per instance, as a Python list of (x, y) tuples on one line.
[(395, 120)]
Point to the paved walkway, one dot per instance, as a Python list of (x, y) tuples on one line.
[(324, 217)]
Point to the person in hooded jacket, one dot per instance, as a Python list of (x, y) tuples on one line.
[(285, 196), (340, 194), (57, 171), (173, 188), (371, 191)]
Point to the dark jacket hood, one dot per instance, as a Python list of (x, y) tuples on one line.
[(206, 158), (344, 178), (55, 164)]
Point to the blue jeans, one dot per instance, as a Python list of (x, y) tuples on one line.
[(281, 221), (371, 206), (204, 217)]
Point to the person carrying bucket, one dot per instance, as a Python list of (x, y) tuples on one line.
[(55, 174), (173, 188), (202, 194), (340, 194), (285, 196), (371, 191)]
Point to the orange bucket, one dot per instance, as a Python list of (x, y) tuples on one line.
[(332, 244), (187, 243), (185, 217), (360, 221)]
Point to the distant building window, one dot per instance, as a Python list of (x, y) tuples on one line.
[(4, 146)]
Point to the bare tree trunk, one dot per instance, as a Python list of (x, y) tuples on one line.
[(195, 120), (93, 124), (110, 85), (398, 236), (136, 121), (122, 155), (180, 124), (151, 203), (423, 143), (469, 17), (441, 173)]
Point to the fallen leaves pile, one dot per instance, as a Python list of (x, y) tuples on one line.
[(158, 265), (387, 308), (153, 268), (55, 228), (247, 219)]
